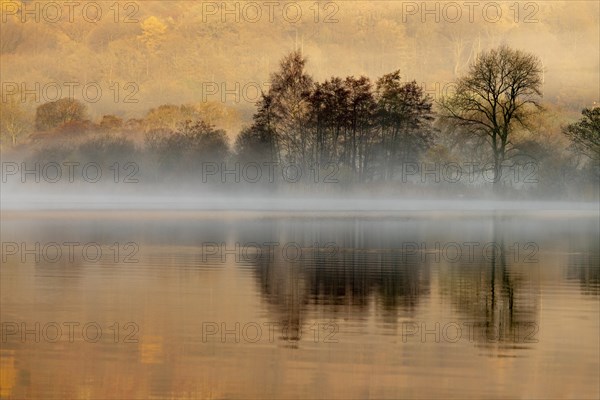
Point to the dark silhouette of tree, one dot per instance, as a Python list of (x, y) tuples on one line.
[(585, 133), (362, 110), (258, 141), (330, 116), (289, 107), (339, 121), (404, 115), (499, 92)]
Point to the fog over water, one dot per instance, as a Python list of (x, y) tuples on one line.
[(274, 202), (294, 204)]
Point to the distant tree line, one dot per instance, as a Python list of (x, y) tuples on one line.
[(368, 130)]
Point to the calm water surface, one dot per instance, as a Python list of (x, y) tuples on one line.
[(334, 305)]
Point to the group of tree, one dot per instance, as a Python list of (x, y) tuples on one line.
[(68, 119), (368, 129), (372, 129)]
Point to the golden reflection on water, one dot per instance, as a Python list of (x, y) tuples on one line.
[(8, 373), (347, 316)]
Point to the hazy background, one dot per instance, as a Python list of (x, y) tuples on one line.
[(173, 51)]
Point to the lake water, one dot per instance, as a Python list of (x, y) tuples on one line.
[(190, 304)]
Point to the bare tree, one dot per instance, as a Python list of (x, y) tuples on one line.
[(497, 95), (14, 121), (289, 105)]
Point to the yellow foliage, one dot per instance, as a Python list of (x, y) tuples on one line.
[(153, 32)]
